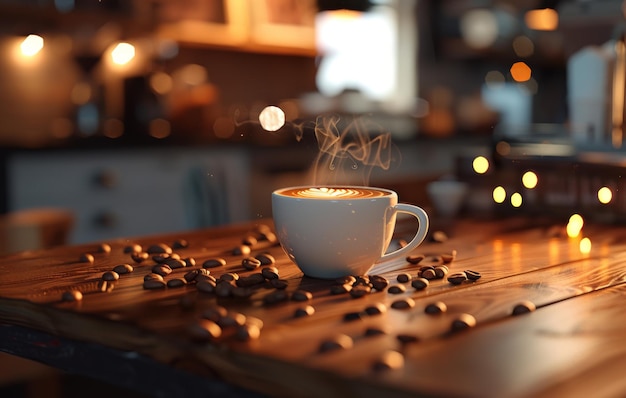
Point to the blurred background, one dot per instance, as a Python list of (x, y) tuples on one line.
[(125, 118)]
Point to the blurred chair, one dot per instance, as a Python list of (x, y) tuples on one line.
[(37, 228)]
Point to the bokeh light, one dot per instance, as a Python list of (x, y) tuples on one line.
[(523, 46), (516, 199), (585, 245), (479, 28), (542, 19), (605, 195), (480, 164), (520, 72), (529, 180), (123, 53), (499, 194), (31, 45), (272, 118), (574, 225)]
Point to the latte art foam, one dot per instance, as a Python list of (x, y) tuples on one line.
[(333, 193)]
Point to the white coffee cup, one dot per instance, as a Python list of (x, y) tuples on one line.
[(334, 231)]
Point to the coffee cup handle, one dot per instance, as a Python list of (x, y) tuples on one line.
[(420, 235)]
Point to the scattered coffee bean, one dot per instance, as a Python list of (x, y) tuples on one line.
[(407, 338), (152, 277), (439, 236), (241, 250), (279, 283), (175, 263), (229, 277), (206, 286), (72, 295), (139, 257), (372, 331), (403, 304), (214, 313), (204, 330), (420, 283), (447, 258), (396, 289), (403, 277), (153, 284), (270, 272), (389, 360), (429, 274), (86, 258), (402, 243), (249, 240), (247, 332), (340, 289), (376, 309), (231, 319), (379, 283), (266, 259), (441, 271), (123, 269), (105, 286), (359, 291), (190, 261), (438, 307), (268, 236), (415, 258), (250, 280), (242, 292), (176, 282), (462, 322), (472, 275), (214, 263), (204, 277), (224, 288), (251, 263), (457, 278), (524, 307), (159, 248), (275, 297), (163, 257), (161, 269), (353, 316), (361, 280), (180, 244), (301, 295), (348, 279), (190, 276), (132, 249), (338, 342), (104, 248), (110, 276), (305, 311)]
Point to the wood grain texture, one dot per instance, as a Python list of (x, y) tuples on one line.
[(570, 345)]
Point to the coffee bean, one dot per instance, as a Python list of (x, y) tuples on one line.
[(403, 304), (191, 275), (396, 289), (231, 319), (206, 286), (301, 295), (175, 263), (441, 271), (104, 248), (204, 277), (275, 297), (241, 250), (105, 286), (305, 311), (373, 331), (361, 280), (429, 274), (214, 263), (110, 276), (72, 295), (139, 257), (415, 258), (123, 269), (132, 249), (86, 258), (379, 282), (403, 277), (376, 309), (152, 277), (153, 284), (360, 291), (407, 338), (524, 307), (279, 283), (176, 282), (338, 342), (250, 280), (159, 248), (242, 292), (457, 278), (340, 289), (447, 258), (190, 262), (229, 277), (249, 240), (180, 244), (348, 279), (268, 236), (420, 283), (266, 259), (389, 360), (214, 313), (435, 260), (251, 263), (439, 236), (472, 275), (163, 257), (437, 307), (270, 272), (247, 332), (161, 269), (462, 322), (353, 316), (224, 288), (204, 330)]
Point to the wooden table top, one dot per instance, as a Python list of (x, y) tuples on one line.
[(573, 344)]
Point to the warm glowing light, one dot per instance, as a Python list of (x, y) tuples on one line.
[(479, 28), (516, 199), (544, 19), (575, 225), (193, 74), (123, 53), (31, 45), (605, 195), (523, 46), (480, 164), (499, 194), (272, 118), (529, 180), (520, 72), (585, 245), (161, 83)]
